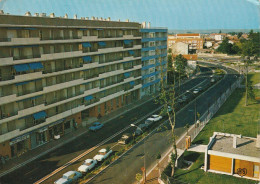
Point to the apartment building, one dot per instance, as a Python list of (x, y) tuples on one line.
[(154, 59), (194, 41), (56, 71)]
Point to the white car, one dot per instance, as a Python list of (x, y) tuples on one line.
[(102, 155), (155, 118), (195, 91), (87, 165), (69, 177)]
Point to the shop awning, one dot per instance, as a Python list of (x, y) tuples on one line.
[(39, 115), (127, 41), (21, 67), (90, 97), (132, 83), (22, 83), (87, 58), (127, 74), (131, 52), (34, 66), (86, 44), (102, 44)]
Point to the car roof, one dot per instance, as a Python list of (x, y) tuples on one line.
[(141, 125), (96, 123), (88, 160), (155, 115), (69, 173), (103, 150)]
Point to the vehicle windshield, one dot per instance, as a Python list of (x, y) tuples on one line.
[(88, 164), (102, 153)]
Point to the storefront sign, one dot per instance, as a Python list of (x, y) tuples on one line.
[(19, 139)]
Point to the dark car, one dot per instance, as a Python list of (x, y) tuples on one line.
[(125, 138), (140, 129)]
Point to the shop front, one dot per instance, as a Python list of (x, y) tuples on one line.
[(20, 145), (39, 137), (56, 129)]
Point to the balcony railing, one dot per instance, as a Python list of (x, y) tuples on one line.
[(5, 39), (4, 115)]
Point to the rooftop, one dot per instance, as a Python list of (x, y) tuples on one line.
[(245, 146)]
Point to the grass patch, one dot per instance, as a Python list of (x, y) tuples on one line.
[(197, 175), (233, 117), (254, 77)]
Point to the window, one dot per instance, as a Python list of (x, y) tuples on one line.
[(152, 44)]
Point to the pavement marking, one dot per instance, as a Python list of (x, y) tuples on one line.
[(98, 145)]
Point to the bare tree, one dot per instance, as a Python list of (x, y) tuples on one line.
[(167, 99)]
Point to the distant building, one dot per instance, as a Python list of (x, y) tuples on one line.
[(208, 44), (154, 46), (180, 48), (194, 41), (218, 36), (233, 155)]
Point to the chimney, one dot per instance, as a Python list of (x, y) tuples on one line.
[(43, 15), (2, 12), (87, 18), (234, 141), (100, 18), (36, 14), (28, 14), (109, 19), (52, 15), (149, 25), (92, 18), (82, 18), (118, 20), (258, 141), (66, 16), (143, 24), (127, 20), (75, 16)]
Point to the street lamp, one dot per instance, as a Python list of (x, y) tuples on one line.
[(133, 125), (195, 108)]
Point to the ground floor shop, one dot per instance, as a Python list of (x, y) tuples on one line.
[(19, 145)]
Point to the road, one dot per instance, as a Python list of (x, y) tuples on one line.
[(41, 167), (125, 169)]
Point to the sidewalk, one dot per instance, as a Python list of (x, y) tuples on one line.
[(31, 155)]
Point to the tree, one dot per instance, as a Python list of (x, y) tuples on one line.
[(187, 126), (158, 157), (239, 35), (167, 98), (220, 31), (225, 47), (180, 65)]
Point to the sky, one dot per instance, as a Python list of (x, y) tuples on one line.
[(174, 14)]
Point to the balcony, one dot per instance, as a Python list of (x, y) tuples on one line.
[(7, 99), (57, 87), (28, 91), (61, 55), (31, 110), (6, 115), (26, 57)]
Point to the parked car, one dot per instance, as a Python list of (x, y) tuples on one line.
[(212, 80), (102, 155), (141, 127), (69, 177), (87, 165), (96, 126), (195, 91), (155, 118), (125, 138)]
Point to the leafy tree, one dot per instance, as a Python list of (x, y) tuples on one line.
[(239, 35), (180, 65), (220, 31), (225, 47)]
